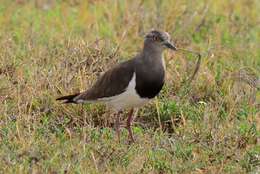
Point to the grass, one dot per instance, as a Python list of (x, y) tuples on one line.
[(53, 48)]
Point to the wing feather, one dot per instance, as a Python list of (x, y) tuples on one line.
[(111, 83)]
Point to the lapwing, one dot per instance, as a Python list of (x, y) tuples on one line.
[(132, 83)]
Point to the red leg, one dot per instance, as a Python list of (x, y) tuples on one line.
[(128, 125), (117, 125)]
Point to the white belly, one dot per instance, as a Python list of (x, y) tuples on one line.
[(127, 99)]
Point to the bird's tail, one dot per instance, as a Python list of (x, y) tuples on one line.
[(68, 98)]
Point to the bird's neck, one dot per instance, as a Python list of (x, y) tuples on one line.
[(152, 52)]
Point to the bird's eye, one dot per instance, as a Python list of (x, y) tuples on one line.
[(155, 38)]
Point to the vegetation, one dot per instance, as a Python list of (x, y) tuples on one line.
[(53, 48)]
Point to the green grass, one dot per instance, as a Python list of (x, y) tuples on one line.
[(51, 49)]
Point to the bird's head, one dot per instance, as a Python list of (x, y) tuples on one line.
[(159, 40)]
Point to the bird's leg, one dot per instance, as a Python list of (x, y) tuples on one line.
[(128, 125), (117, 125)]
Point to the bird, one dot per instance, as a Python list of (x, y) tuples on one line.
[(132, 83)]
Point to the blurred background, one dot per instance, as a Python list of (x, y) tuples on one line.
[(51, 48)]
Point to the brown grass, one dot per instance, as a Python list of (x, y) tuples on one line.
[(51, 48)]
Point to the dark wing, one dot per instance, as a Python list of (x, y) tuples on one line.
[(111, 83)]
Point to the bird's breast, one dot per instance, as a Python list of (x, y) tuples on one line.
[(149, 84)]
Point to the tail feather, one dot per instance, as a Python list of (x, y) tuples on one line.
[(68, 98)]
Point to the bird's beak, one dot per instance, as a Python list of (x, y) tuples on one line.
[(170, 45)]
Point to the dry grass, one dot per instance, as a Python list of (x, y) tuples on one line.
[(49, 49)]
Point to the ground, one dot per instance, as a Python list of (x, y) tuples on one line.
[(53, 48)]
